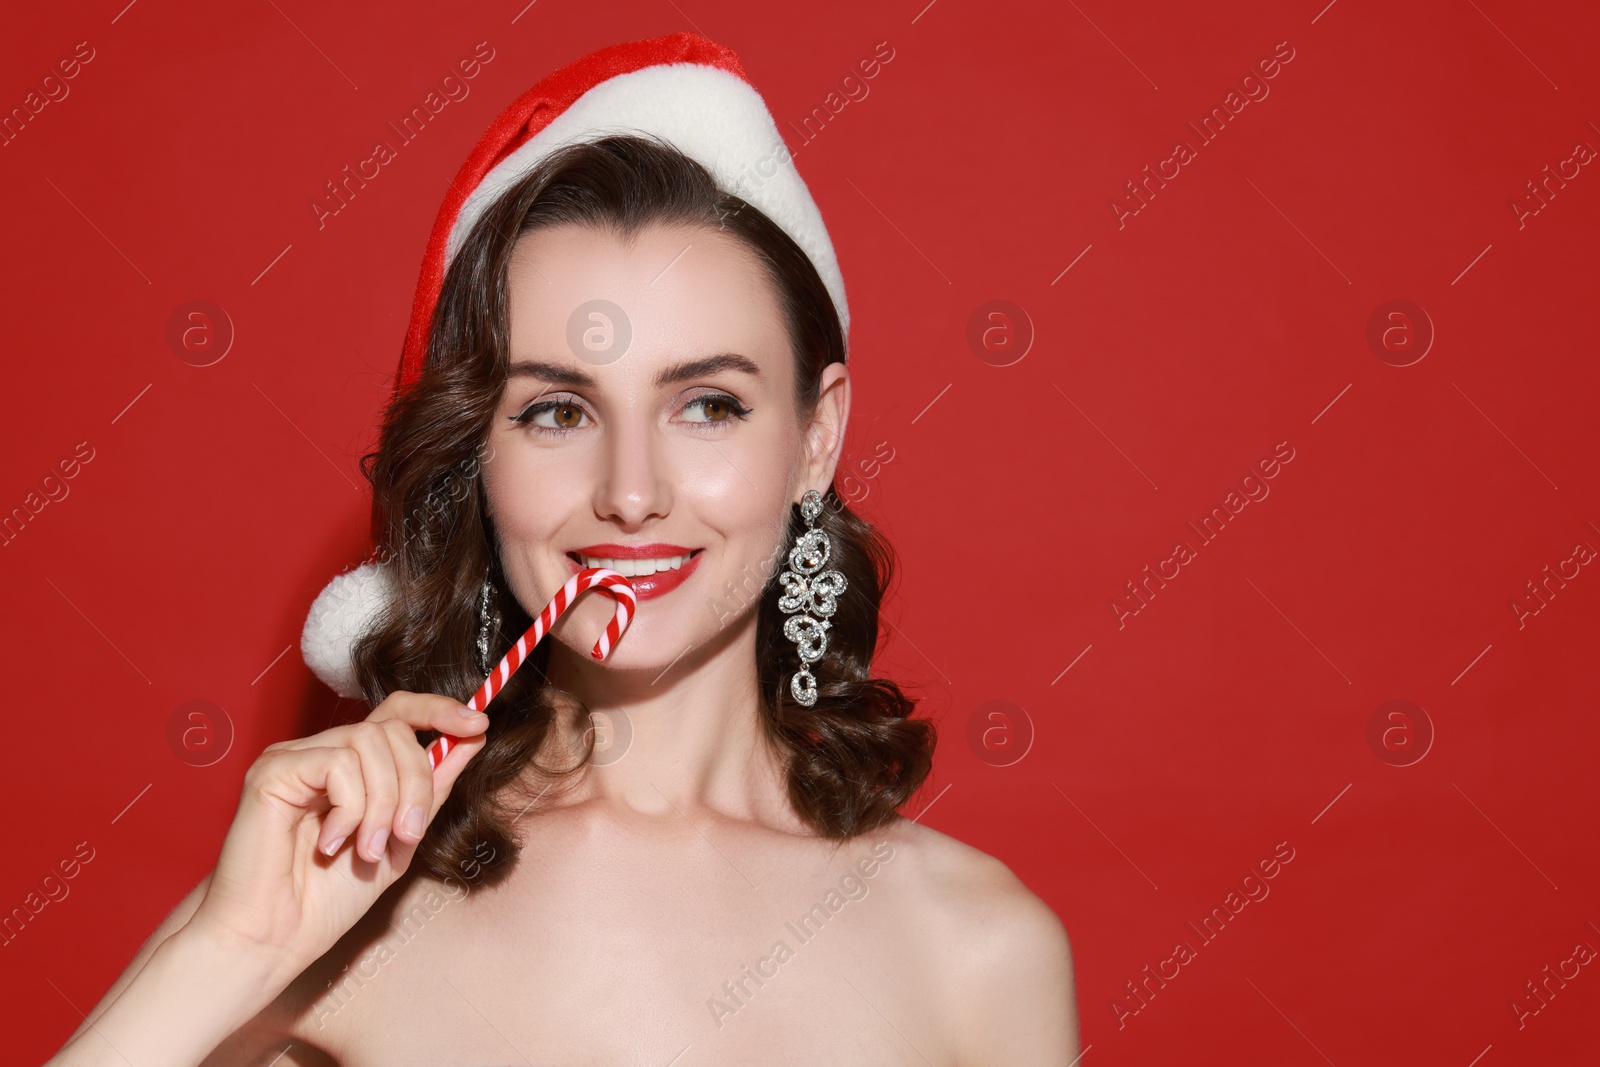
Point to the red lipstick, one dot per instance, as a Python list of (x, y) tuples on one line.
[(646, 586)]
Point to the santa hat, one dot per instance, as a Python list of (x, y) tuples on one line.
[(682, 88)]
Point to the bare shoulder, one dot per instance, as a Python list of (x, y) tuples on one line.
[(1005, 960), (970, 893)]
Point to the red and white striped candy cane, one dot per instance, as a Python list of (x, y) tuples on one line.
[(609, 582)]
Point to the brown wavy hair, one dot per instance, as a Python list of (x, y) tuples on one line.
[(852, 760)]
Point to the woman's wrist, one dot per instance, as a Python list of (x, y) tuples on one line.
[(207, 945), (198, 987)]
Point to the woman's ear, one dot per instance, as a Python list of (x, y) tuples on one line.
[(824, 441)]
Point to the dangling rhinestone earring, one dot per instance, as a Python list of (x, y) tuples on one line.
[(484, 620), (814, 596)]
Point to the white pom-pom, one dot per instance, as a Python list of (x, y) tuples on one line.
[(339, 616)]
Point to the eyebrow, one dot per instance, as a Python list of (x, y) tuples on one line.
[(557, 374)]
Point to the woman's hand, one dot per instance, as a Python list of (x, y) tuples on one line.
[(326, 823)]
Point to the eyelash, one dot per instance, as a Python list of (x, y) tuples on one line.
[(525, 417)]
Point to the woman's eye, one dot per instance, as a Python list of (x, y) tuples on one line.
[(555, 415), (716, 407), (561, 416)]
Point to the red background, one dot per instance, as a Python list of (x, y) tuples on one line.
[(1228, 315)]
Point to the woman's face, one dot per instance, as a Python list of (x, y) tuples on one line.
[(650, 408)]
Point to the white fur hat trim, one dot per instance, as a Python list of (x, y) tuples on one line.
[(339, 616)]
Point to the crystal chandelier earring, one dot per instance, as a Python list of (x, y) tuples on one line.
[(485, 620), (812, 594)]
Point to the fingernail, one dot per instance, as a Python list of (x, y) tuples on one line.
[(332, 846), (379, 837), (412, 823), (466, 712)]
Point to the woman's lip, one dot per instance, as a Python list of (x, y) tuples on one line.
[(654, 550), (650, 586)]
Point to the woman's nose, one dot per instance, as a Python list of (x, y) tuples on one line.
[(632, 484)]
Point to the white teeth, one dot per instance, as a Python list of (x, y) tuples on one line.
[(636, 568)]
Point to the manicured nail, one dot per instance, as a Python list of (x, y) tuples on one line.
[(466, 712), (380, 836), (333, 846), (412, 823)]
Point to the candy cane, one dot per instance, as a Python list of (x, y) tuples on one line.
[(609, 582)]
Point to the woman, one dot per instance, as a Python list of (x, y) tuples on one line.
[(691, 852)]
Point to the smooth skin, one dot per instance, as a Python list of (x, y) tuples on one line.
[(673, 908)]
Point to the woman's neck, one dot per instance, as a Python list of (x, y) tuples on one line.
[(685, 738)]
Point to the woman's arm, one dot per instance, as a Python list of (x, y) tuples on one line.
[(268, 1036), (322, 830), (192, 990), (174, 921)]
